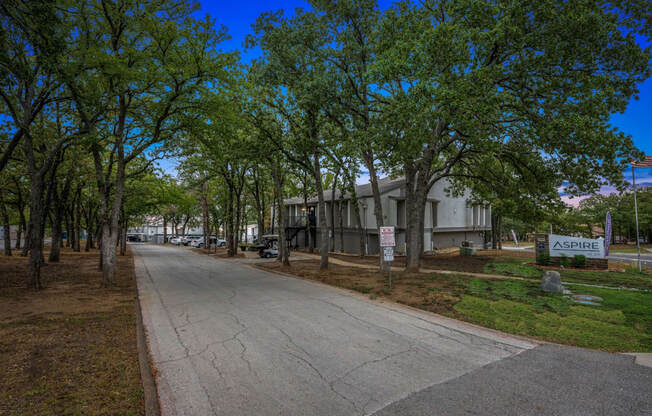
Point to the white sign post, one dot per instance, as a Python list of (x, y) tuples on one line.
[(388, 242)]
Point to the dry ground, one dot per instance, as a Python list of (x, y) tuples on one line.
[(449, 261), (408, 288), (71, 348)]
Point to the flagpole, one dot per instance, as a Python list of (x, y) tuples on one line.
[(638, 242)]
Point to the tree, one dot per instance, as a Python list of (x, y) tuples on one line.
[(149, 70), (293, 68), (460, 80)]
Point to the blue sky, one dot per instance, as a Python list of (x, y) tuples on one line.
[(239, 16)]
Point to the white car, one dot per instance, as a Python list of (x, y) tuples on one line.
[(175, 240), (199, 243)]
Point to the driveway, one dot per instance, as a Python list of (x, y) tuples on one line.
[(227, 339)]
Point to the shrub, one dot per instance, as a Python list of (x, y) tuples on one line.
[(543, 259), (579, 260), (563, 260)]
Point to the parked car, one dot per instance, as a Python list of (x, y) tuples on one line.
[(175, 240), (199, 243), (194, 241), (619, 239), (268, 253)]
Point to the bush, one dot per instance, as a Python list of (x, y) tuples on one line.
[(563, 260), (543, 259), (579, 260)]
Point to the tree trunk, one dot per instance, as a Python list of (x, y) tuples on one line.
[(66, 218), (415, 206), (238, 221), (6, 226), (22, 226), (34, 235), (378, 208), (340, 205), (19, 235), (165, 229), (111, 224), (332, 233), (76, 228), (28, 241), (283, 252), (323, 224), (205, 216), (55, 248), (230, 238), (500, 232)]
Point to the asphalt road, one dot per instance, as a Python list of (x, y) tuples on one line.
[(227, 339), (632, 258)]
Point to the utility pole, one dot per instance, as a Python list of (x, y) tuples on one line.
[(646, 163), (638, 242)]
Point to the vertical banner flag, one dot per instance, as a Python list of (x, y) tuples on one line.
[(607, 234), (515, 239)]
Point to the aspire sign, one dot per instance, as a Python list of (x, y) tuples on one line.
[(562, 245)]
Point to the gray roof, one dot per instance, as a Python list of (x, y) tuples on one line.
[(362, 191)]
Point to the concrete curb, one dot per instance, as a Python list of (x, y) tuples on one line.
[(152, 407)]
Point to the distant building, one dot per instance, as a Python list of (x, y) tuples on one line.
[(448, 220)]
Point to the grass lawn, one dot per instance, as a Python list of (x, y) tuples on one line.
[(69, 349), (622, 323), (628, 278)]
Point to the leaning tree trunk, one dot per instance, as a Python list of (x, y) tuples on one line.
[(6, 226)]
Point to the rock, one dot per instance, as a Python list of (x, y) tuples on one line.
[(551, 282)]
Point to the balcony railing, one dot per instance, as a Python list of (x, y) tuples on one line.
[(299, 221)]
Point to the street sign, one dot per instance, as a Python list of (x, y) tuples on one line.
[(387, 237), (388, 253)]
